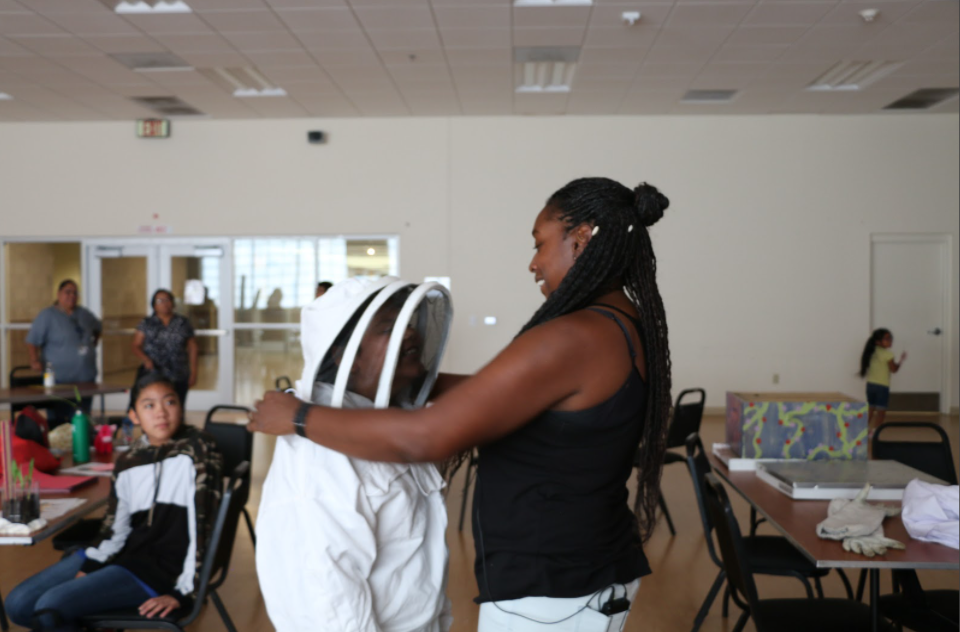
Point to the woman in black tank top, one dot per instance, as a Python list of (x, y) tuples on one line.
[(558, 415)]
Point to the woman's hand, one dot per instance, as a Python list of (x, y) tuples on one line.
[(35, 365), (148, 364), (274, 414), (158, 606), (79, 575)]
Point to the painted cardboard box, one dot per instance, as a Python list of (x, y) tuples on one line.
[(810, 426)]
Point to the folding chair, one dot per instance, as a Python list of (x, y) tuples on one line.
[(213, 572), (236, 446), (774, 615)]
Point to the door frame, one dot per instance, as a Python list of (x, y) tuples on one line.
[(945, 242), (157, 275)]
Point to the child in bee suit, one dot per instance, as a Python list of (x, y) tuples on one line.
[(347, 545)]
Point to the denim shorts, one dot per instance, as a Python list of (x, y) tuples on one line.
[(878, 396)]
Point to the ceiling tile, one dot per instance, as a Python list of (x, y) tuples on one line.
[(558, 36), (9, 47), (287, 76), (788, 13), (27, 24), (544, 17), (98, 23), (620, 69), (263, 41), (243, 21), (202, 6), (328, 106), (195, 43), (833, 35), (749, 53), (766, 35), (55, 45), (330, 19), (333, 40), (346, 57), (543, 104), (49, 7), (616, 37), (124, 44), (426, 57), (643, 84), (496, 17), (173, 23), (404, 39), (265, 59), (653, 16), (393, 17), (709, 13), (476, 38), (212, 60), (697, 37), (848, 13), (935, 11), (306, 4), (478, 56), (670, 69), (678, 54)]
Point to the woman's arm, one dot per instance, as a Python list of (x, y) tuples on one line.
[(192, 353), (445, 382), (34, 352), (137, 346), (534, 373)]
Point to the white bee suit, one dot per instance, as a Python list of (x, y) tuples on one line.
[(347, 545)]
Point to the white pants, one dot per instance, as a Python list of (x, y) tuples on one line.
[(539, 614)]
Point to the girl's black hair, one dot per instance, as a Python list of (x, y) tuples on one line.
[(149, 379), (153, 299), (326, 285), (65, 283), (871, 346), (620, 257)]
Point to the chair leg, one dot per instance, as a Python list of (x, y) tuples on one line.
[(227, 621), (846, 583), (666, 514), (742, 621), (861, 584), (253, 534), (726, 602), (4, 624), (708, 601), (466, 489), (819, 587)]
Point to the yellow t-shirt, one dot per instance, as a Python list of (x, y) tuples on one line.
[(879, 370)]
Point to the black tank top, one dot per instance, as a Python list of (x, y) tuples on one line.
[(550, 514)]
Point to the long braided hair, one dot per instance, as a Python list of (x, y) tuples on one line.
[(620, 256)]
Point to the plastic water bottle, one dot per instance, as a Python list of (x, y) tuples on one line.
[(81, 437), (49, 380)]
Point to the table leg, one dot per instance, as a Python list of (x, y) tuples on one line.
[(874, 599)]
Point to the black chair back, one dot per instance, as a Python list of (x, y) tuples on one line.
[(930, 457), (732, 551), (283, 383), (25, 376), (687, 415), (699, 468), (233, 442)]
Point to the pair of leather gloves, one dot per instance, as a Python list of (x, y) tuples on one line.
[(859, 525)]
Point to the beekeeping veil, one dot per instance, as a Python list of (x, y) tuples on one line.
[(384, 338)]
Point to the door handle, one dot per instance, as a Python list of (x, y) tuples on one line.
[(935, 332)]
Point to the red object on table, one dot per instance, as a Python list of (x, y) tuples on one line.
[(43, 459)]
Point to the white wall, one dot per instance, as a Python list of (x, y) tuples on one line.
[(763, 256)]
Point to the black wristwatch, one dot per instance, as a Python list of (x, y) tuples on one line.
[(300, 419)]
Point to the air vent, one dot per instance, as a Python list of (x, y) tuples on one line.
[(924, 99), (243, 82), (151, 62), (849, 76), (171, 106), (708, 96), (545, 70)]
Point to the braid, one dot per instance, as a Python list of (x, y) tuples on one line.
[(620, 257)]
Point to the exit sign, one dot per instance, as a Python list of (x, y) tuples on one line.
[(153, 128)]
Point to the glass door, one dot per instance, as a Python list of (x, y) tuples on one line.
[(123, 277), (198, 274)]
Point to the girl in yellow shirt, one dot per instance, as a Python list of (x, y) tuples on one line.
[(876, 365)]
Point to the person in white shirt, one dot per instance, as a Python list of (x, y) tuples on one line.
[(347, 545)]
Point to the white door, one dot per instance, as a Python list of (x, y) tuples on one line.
[(909, 288), (122, 277)]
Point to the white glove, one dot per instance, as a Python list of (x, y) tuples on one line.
[(858, 524)]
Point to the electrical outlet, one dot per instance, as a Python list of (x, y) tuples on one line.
[(776, 378)]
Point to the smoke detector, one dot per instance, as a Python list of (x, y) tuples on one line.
[(630, 17), (869, 15)]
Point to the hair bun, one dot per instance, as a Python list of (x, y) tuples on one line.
[(650, 203)]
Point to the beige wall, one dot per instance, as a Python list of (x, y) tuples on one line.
[(763, 256)]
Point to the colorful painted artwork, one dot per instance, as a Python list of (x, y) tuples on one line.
[(808, 426)]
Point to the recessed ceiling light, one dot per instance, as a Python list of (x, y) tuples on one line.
[(154, 7), (545, 69), (5, 97), (848, 76), (371, 251), (245, 82), (552, 3)]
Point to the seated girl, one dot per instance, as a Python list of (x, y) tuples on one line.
[(347, 544), (161, 510)]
